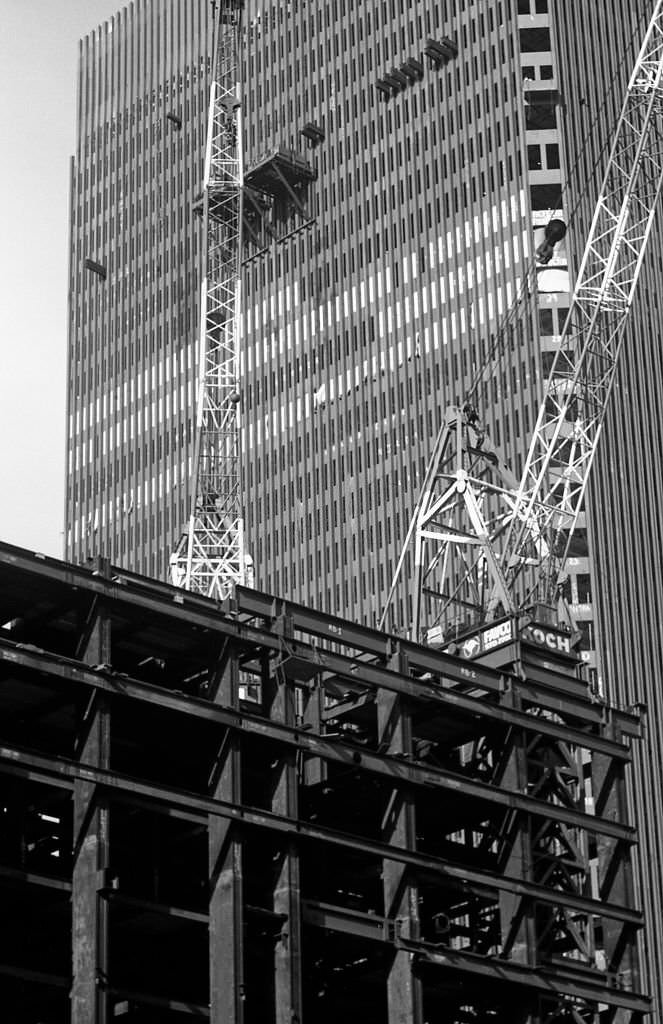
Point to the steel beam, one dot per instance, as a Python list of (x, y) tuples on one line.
[(542, 978), (401, 902), (353, 671), (226, 869), (350, 922), (404, 772), (279, 705), (33, 878), (151, 907), (131, 997), (517, 912), (615, 871), (89, 1001), (35, 977), (194, 610), (22, 763)]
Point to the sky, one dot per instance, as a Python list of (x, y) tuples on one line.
[(38, 67)]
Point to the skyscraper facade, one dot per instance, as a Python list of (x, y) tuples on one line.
[(433, 134), (360, 330), (134, 282), (439, 170)]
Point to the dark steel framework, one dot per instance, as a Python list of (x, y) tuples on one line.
[(266, 813)]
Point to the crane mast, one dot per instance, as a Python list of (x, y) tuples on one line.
[(480, 543), (210, 558)]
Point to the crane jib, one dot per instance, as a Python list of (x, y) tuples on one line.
[(485, 541)]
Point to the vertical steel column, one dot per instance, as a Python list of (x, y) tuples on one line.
[(315, 768), (615, 872), (89, 1002), (279, 703), (516, 913), (404, 990), (226, 910)]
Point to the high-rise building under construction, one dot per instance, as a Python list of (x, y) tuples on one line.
[(408, 156)]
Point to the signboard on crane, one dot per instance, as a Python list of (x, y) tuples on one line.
[(489, 638), (554, 640), (499, 634)]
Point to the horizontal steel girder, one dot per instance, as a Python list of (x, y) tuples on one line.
[(393, 768), (372, 676), (555, 981), (23, 763)]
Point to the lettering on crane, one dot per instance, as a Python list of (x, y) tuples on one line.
[(548, 638), (497, 635), (488, 639)]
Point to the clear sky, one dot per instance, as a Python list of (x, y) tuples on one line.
[(38, 59)]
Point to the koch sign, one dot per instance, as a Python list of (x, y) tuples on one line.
[(488, 639), (491, 637), (542, 636)]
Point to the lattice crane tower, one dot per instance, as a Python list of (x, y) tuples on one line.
[(211, 557), (482, 542)]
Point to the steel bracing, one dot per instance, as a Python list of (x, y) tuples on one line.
[(280, 815), (211, 556), (480, 543), (449, 554)]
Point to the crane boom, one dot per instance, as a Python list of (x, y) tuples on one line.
[(210, 558), (480, 543), (570, 418)]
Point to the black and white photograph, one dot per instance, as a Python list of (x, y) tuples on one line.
[(331, 551)]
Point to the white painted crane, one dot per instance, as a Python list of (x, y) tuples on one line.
[(482, 543), (211, 557)]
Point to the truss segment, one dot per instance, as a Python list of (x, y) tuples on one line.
[(480, 544), (571, 415), (211, 557)]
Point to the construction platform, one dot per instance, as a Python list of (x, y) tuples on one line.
[(262, 813), (276, 199), (279, 171)]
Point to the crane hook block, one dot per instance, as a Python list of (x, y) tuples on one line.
[(555, 231)]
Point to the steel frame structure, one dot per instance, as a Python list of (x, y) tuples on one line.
[(211, 556), (382, 830), (275, 199), (483, 543)]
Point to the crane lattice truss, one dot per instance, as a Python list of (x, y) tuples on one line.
[(483, 543), (210, 559)]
